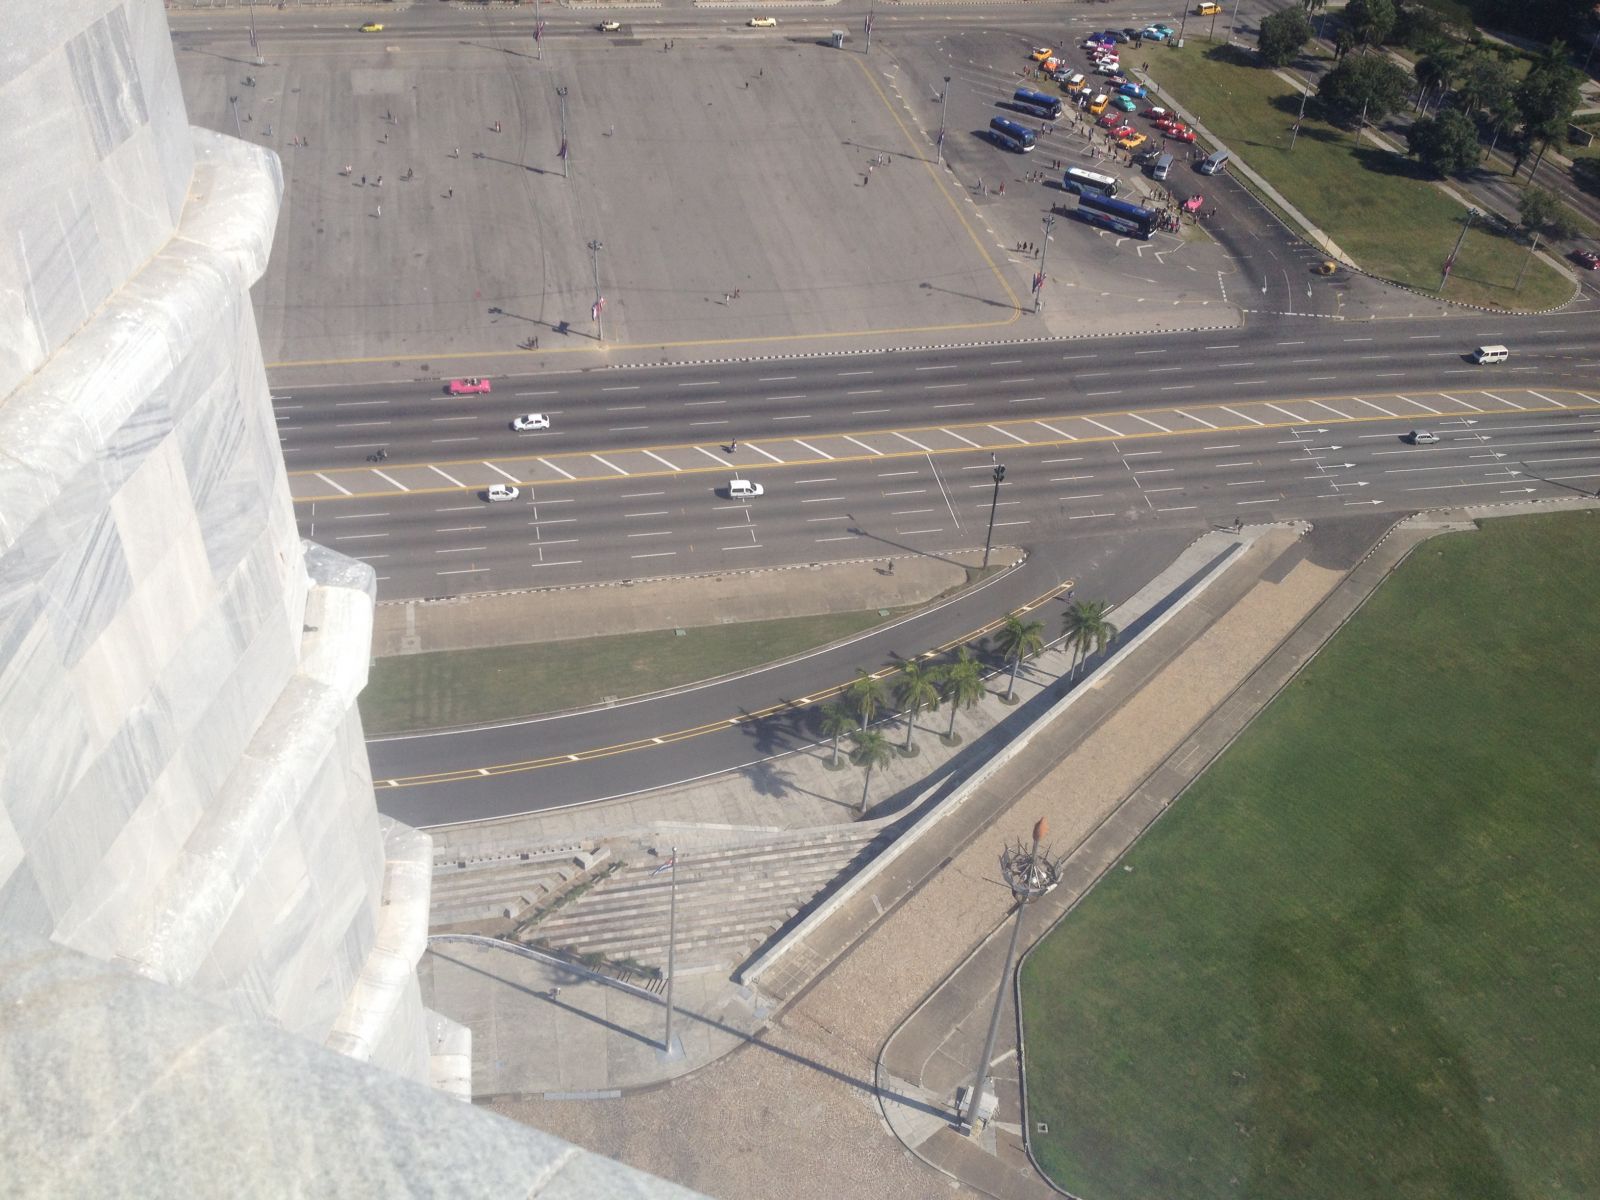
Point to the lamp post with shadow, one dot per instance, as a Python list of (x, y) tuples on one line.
[(994, 502)]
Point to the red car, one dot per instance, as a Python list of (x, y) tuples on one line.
[(1110, 119), (1122, 131), (1587, 258), (1181, 135), (1169, 124), (1156, 114), (468, 387)]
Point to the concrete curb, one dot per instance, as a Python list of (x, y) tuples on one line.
[(751, 972)]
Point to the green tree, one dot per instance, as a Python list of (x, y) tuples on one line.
[(962, 683), (1542, 212), (1546, 98), (872, 751), (1088, 630), (867, 696), (1019, 639), (1446, 144), (1343, 42), (916, 688), (1282, 35), (1372, 21), (1437, 72), (1484, 83), (1369, 83), (837, 720)]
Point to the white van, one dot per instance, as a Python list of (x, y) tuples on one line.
[(1215, 164), (743, 489), (1490, 354), (1162, 167)]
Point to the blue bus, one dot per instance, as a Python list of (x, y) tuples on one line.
[(1081, 182), (1011, 135), (1037, 104), (1119, 216)]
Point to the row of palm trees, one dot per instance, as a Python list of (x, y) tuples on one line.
[(922, 687)]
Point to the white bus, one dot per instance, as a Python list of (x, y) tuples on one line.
[(1078, 181)]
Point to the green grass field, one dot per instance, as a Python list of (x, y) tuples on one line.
[(1360, 958), (1377, 206), (465, 687)]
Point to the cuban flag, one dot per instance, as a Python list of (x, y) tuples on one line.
[(538, 30), (562, 153), (666, 866), (1038, 281), (596, 308), (868, 23)]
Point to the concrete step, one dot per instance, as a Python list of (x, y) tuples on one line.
[(692, 907)]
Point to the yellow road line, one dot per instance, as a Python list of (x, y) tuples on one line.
[(463, 774)]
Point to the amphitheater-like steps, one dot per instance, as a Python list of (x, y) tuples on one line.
[(729, 901), (504, 887)]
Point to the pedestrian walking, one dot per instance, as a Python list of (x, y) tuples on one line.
[(450, 193), (1002, 187), (380, 210), (456, 153), (497, 126), (363, 181), (380, 181), (737, 293)]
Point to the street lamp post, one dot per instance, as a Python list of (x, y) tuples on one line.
[(255, 48), (1305, 94), (599, 301), (1456, 249), (1044, 249), (988, 538), (1030, 873), (538, 34), (565, 152), (672, 945), (944, 99), (233, 103)]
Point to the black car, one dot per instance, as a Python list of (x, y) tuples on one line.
[(1149, 154), (1115, 35), (1129, 33)]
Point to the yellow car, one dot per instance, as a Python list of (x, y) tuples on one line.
[(1042, 53), (1208, 10), (1133, 141), (763, 22), (1098, 104), (372, 27)]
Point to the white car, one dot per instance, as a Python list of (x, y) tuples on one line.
[(501, 491), (762, 22), (1422, 437), (530, 421), (743, 489), (609, 26)]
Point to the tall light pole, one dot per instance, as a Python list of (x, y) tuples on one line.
[(1044, 249), (538, 34), (1304, 96), (1231, 21), (994, 502), (870, 9), (253, 46), (595, 247), (672, 944), (944, 99), (1532, 250), (1030, 873), (1460, 237), (565, 152), (233, 103)]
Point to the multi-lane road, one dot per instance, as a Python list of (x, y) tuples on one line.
[(876, 454)]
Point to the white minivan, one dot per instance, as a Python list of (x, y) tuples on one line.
[(1490, 354), (743, 489)]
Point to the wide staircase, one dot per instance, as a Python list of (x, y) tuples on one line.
[(730, 900), (489, 894)]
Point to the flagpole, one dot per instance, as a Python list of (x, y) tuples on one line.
[(672, 945), (870, 10), (538, 30)]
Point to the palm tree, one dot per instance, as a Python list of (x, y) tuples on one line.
[(1018, 640), (867, 696), (1087, 630), (837, 720), (872, 750), (916, 689), (962, 682)]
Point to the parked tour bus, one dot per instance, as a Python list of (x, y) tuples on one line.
[(1037, 104), (1080, 182), (1011, 135), (1132, 220)]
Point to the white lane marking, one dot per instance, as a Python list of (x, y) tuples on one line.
[(1226, 466), (1342, 416), (551, 392), (1418, 403), (699, 403), (1179, 508), (713, 457), (844, 374), (622, 387), (1502, 400), (776, 378), (1148, 422), (1296, 417), (662, 461), (1458, 400), (864, 446), (959, 438), (951, 367), (657, 512), (821, 500), (604, 463), (359, 537), (940, 387), (565, 562), (1060, 433), (1546, 399), (389, 479), (1240, 415), (866, 392), (546, 462), (451, 478), (768, 454), (1021, 441), (641, 495), (1379, 407), (792, 417), (650, 533), (703, 383), (1195, 419), (912, 440), (501, 471), (657, 554), (819, 454), (997, 524), (1107, 428), (906, 492)]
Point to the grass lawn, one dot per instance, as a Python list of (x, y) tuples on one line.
[(1376, 205), (1359, 958), (464, 687)]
